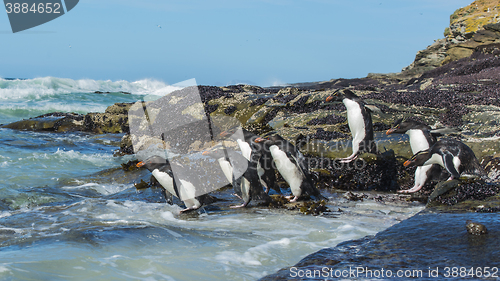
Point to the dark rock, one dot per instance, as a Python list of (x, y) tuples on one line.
[(454, 192), (419, 244), (328, 120), (443, 187), (354, 197), (321, 134), (475, 228), (230, 110), (53, 122), (368, 172)]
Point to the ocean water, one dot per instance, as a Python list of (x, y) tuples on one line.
[(60, 221)]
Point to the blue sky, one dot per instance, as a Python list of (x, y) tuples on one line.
[(219, 42)]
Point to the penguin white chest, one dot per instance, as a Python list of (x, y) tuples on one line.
[(227, 169), (246, 150), (456, 163), (187, 193), (355, 119), (418, 141), (165, 180), (287, 169)]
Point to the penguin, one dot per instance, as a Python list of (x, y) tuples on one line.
[(421, 138), (453, 155), (241, 173), (360, 123), (258, 152), (162, 171), (291, 165)]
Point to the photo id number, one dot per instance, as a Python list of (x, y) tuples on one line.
[(24, 8)]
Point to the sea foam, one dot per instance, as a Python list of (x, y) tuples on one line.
[(37, 88)]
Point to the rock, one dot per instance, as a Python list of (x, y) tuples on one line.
[(472, 26), (465, 194), (368, 172), (420, 244), (54, 122), (491, 167), (475, 228), (427, 59), (443, 187), (114, 120)]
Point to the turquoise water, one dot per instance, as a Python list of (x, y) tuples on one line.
[(60, 220)]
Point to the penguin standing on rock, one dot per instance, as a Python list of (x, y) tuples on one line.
[(360, 123), (291, 165), (183, 186), (240, 172), (421, 137), (453, 155)]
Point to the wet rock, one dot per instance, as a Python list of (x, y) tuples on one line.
[(464, 190), (443, 187), (354, 196), (368, 172), (314, 208), (53, 122), (475, 228)]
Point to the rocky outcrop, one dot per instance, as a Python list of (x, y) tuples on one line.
[(470, 27), (113, 120)]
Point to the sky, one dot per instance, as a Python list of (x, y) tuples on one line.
[(222, 42)]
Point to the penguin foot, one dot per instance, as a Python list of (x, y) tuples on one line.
[(290, 198), (411, 190), (188, 209), (239, 197), (239, 206), (348, 159)]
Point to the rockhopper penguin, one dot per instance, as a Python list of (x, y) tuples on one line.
[(360, 123), (184, 185), (256, 152), (291, 165), (240, 172), (421, 137), (453, 155)]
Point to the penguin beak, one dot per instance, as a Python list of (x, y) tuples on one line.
[(205, 153), (330, 98), (407, 163), (259, 139), (390, 131), (224, 134), (140, 164)]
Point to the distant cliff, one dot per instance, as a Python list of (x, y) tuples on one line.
[(470, 27)]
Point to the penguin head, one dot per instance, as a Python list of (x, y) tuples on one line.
[(340, 95), (418, 159), (402, 125), (154, 162)]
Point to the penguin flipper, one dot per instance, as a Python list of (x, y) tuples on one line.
[(298, 163), (450, 167)]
